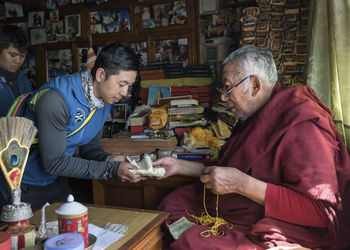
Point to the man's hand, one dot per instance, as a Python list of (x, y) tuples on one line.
[(225, 180), (124, 173), (169, 163), (116, 158), (222, 180)]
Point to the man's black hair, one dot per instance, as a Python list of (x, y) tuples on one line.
[(114, 58), (11, 34)]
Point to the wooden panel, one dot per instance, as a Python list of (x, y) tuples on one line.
[(123, 144), (145, 194)]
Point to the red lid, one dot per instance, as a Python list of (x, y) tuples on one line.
[(5, 241)]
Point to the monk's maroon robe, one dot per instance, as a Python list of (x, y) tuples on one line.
[(292, 141)]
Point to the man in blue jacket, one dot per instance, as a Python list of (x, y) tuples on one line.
[(13, 82), (65, 103)]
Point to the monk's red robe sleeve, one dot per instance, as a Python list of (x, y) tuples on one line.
[(288, 205)]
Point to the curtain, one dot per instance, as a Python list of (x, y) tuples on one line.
[(328, 70)]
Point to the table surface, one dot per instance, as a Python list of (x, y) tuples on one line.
[(140, 222)]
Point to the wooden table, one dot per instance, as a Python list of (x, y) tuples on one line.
[(143, 225)]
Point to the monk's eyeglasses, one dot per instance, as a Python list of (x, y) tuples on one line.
[(226, 92)]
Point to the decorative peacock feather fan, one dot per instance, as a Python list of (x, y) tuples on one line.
[(16, 137)]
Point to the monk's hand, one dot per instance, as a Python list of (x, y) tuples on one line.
[(116, 158), (169, 163), (125, 175), (221, 180)]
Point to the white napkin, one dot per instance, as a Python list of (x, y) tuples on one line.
[(145, 167), (105, 238)]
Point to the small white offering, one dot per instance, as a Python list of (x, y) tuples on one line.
[(145, 167)]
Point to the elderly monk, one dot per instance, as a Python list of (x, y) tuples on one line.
[(281, 177)]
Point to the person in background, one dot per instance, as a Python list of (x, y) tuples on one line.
[(13, 50), (64, 104), (282, 178)]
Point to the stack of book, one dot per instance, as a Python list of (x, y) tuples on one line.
[(175, 70), (138, 121), (179, 91), (191, 154), (201, 93), (185, 113), (204, 96), (152, 74), (198, 70)]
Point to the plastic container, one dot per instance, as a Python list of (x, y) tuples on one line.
[(66, 241)]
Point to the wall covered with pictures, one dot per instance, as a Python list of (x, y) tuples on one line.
[(60, 32), (280, 26)]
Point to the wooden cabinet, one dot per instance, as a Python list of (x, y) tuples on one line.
[(145, 194)]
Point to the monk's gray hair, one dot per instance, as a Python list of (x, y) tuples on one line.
[(256, 61)]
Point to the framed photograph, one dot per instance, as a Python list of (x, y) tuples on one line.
[(179, 12), (148, 17), (172, 51), (24, 27), (13, 9), (54, 15), (38, 36), (160, 14), (51, 4), (72, 26), (95, 22), (108, 20), (140, 49), (59, 62), (124, 20), (83, 53), (54, 31), (36, 19), (120, 112)]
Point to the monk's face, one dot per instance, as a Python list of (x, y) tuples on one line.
[(237, 88)]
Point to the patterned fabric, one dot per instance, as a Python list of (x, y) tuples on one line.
[(94, 102), (91, 58)]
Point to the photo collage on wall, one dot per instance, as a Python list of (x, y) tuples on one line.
[(140, 49), (161, 15), (172, 51), (106, 21), (53, 29), (59, 62)]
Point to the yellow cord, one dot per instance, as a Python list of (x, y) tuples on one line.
[(206, 220)]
